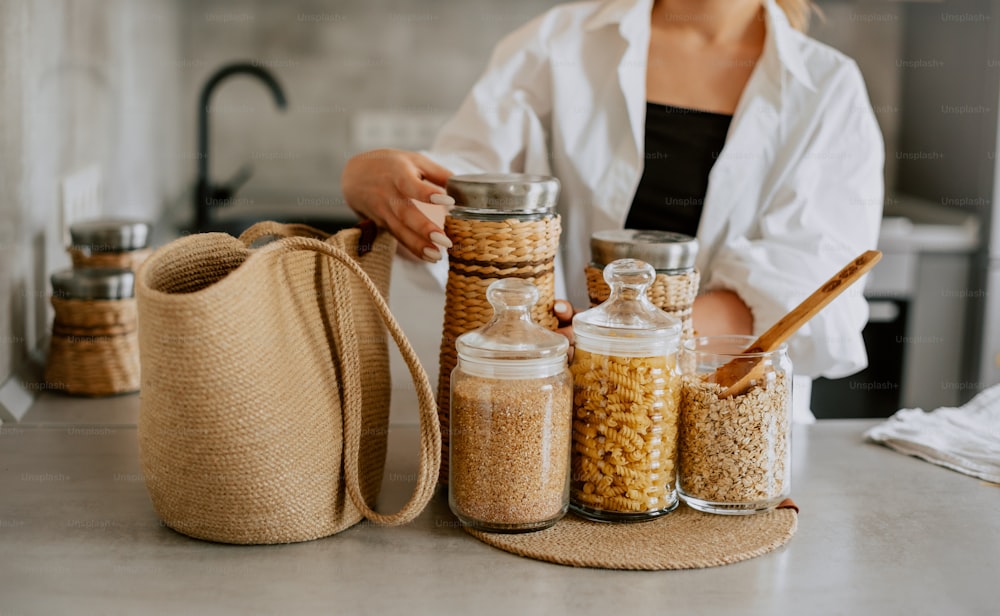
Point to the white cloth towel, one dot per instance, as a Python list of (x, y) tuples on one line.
[(965, 439)]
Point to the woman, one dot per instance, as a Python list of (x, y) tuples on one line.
[(721, 96)]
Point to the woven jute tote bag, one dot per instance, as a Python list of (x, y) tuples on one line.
[(265, 384)]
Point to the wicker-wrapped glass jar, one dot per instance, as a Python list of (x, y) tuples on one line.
[(626, 394), (109, 243), (94, 350), (672, 255), (502, 226)]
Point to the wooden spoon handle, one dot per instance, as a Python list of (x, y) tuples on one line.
[(791, 322)]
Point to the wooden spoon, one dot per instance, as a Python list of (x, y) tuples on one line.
[(739, 374)]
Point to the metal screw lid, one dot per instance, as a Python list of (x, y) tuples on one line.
[(666, 251), (109, 235), (93, 283), (508, 193)]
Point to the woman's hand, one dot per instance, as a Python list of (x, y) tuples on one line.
[(382, 185), (564, 312), (721, 312)]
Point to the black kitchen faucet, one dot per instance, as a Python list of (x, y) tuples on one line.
[(208, 196)]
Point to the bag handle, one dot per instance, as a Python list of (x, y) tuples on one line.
[(430, 430), (270, 228)]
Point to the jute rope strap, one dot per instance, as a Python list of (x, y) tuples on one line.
[(683, 539), (482, 252), (673, 294), (346, 339), (94, 350)]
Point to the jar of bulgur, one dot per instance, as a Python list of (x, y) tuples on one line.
[(511, 416), (734, 452), (626, 393)]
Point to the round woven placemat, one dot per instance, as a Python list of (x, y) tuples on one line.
[(683, 539)]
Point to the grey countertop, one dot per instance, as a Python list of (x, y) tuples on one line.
[(879, 533)]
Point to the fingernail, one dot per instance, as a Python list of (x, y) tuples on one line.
[(440, 199), (432, 255), (562, 306), (440, 239)]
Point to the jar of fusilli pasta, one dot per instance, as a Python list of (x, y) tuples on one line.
[(511, 417), (626, 394)]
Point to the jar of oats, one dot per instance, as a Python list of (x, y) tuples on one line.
[(734, 450), (626, 393), (511, 418)]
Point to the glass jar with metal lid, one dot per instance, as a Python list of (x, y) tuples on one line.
[(626, 402), (501, 226), (94, 349), (109, 243), (511, 417), (672, 255)]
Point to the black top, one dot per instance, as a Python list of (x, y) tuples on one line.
[(681, 147)]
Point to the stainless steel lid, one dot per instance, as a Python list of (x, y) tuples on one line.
[(507, 193), (109, 235), (664, 250), (93, 283)]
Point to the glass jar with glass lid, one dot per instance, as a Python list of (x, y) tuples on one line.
[(625, 400), (511, 416)]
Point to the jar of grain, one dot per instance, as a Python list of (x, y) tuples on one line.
[(109, 243), (672, 255), (503, 225), (734, 451), (511, 416), (625, 401)]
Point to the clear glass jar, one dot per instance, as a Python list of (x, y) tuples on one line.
[(625, 402), (511, 418), (734, 452)]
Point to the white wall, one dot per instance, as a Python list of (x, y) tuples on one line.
[(81, 82)]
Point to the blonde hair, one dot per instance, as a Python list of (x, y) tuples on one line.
[(798, 12)]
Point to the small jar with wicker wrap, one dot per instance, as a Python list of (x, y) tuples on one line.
[(511, 412), (94, 350), (109, 243), (672, 255), (626, 398), (502, 226)]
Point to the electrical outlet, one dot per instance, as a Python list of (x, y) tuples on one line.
[(406, 130), (81, 198)]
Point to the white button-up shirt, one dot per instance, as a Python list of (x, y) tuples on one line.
[(795, 194)]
